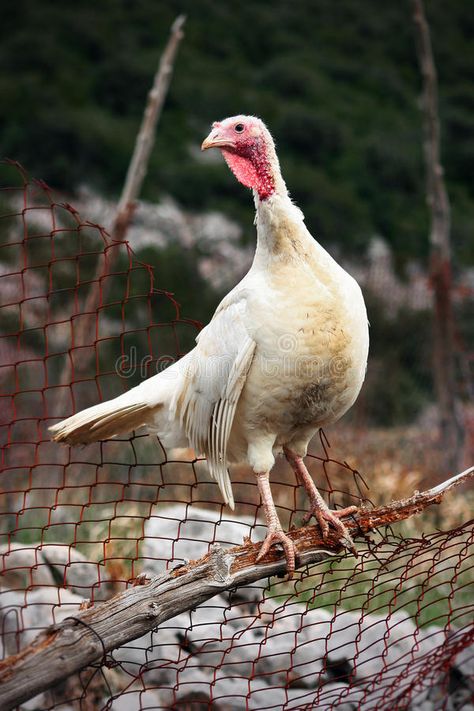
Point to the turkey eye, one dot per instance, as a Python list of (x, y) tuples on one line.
[(239, 127)]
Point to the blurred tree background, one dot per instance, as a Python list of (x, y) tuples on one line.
[(338, 84)]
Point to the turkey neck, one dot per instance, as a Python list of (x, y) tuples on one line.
[(281, 233), (287, 252)]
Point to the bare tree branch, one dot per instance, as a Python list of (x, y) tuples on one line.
[(131, 190), (440, 260), (66, 648), (146, 135)]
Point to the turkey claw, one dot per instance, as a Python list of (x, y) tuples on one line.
[(278, 536), (325, 516)]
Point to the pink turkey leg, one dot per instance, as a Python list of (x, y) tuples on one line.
[(318, 507), (275, 532)]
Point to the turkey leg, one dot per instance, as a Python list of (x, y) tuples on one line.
[(275, 532), (318, 507)]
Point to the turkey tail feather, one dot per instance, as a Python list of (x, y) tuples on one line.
[(102, 421)]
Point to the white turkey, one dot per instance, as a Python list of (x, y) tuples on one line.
[(284, 354)]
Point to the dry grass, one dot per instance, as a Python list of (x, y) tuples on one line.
[(394, 463)]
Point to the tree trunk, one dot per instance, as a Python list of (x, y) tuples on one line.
[(444, 356)]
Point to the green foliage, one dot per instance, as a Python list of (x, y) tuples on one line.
[(337, 83), (399, 381)]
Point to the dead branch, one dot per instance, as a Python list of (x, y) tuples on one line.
[(146, 135), (440, 258), (66, 648), (131, 190)]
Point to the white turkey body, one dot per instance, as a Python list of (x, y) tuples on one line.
[(284, 354), (308, 320)]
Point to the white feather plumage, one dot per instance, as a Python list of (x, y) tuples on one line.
[(223, 398)]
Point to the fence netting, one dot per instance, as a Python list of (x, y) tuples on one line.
[(82, 320)]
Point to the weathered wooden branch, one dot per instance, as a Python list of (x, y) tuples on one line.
[(66, 648), (131, 190), (146, 135), (440, 258)]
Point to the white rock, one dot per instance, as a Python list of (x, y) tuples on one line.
[(237, 693), (24, 614), (178, 533), (203, 633), (189, 680), (137, 700), (341, 696), (464, 661), (43, 701), (424, 706), (24, 566), (158, 652)]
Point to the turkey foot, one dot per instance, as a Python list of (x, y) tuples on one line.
[(318, 507), (325, 516), (277, 535), (275, 532)]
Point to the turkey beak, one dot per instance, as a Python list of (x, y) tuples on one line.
[(214, 140)]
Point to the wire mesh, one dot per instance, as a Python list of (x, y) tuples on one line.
[(82, 320)]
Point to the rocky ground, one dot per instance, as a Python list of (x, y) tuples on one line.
[(242, 650)]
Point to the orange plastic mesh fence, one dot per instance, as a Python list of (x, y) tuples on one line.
[(81, 320)]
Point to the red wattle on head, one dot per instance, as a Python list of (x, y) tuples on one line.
[(251, 168)]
